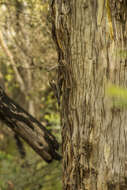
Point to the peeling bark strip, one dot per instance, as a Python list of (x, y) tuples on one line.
[(28, 128)]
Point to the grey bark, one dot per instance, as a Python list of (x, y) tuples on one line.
[(89, 36)]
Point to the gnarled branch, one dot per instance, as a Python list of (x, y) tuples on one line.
[(28, 128)]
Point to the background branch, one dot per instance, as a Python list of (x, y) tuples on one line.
[(10, 56)]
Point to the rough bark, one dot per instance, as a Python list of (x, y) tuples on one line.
[(28, 128), (89, 37)]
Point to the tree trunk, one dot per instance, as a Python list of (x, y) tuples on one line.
[(90, 36)]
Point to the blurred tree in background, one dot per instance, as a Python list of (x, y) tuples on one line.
[(27, 64)]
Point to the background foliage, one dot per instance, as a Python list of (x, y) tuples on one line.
[(28, 61)]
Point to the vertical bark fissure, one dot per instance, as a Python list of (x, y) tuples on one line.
[(94, 131)]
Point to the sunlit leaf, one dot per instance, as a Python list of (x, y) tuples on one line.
[(119, 95)]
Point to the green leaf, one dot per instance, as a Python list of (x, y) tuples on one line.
[(119, 95), (116, 91)]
